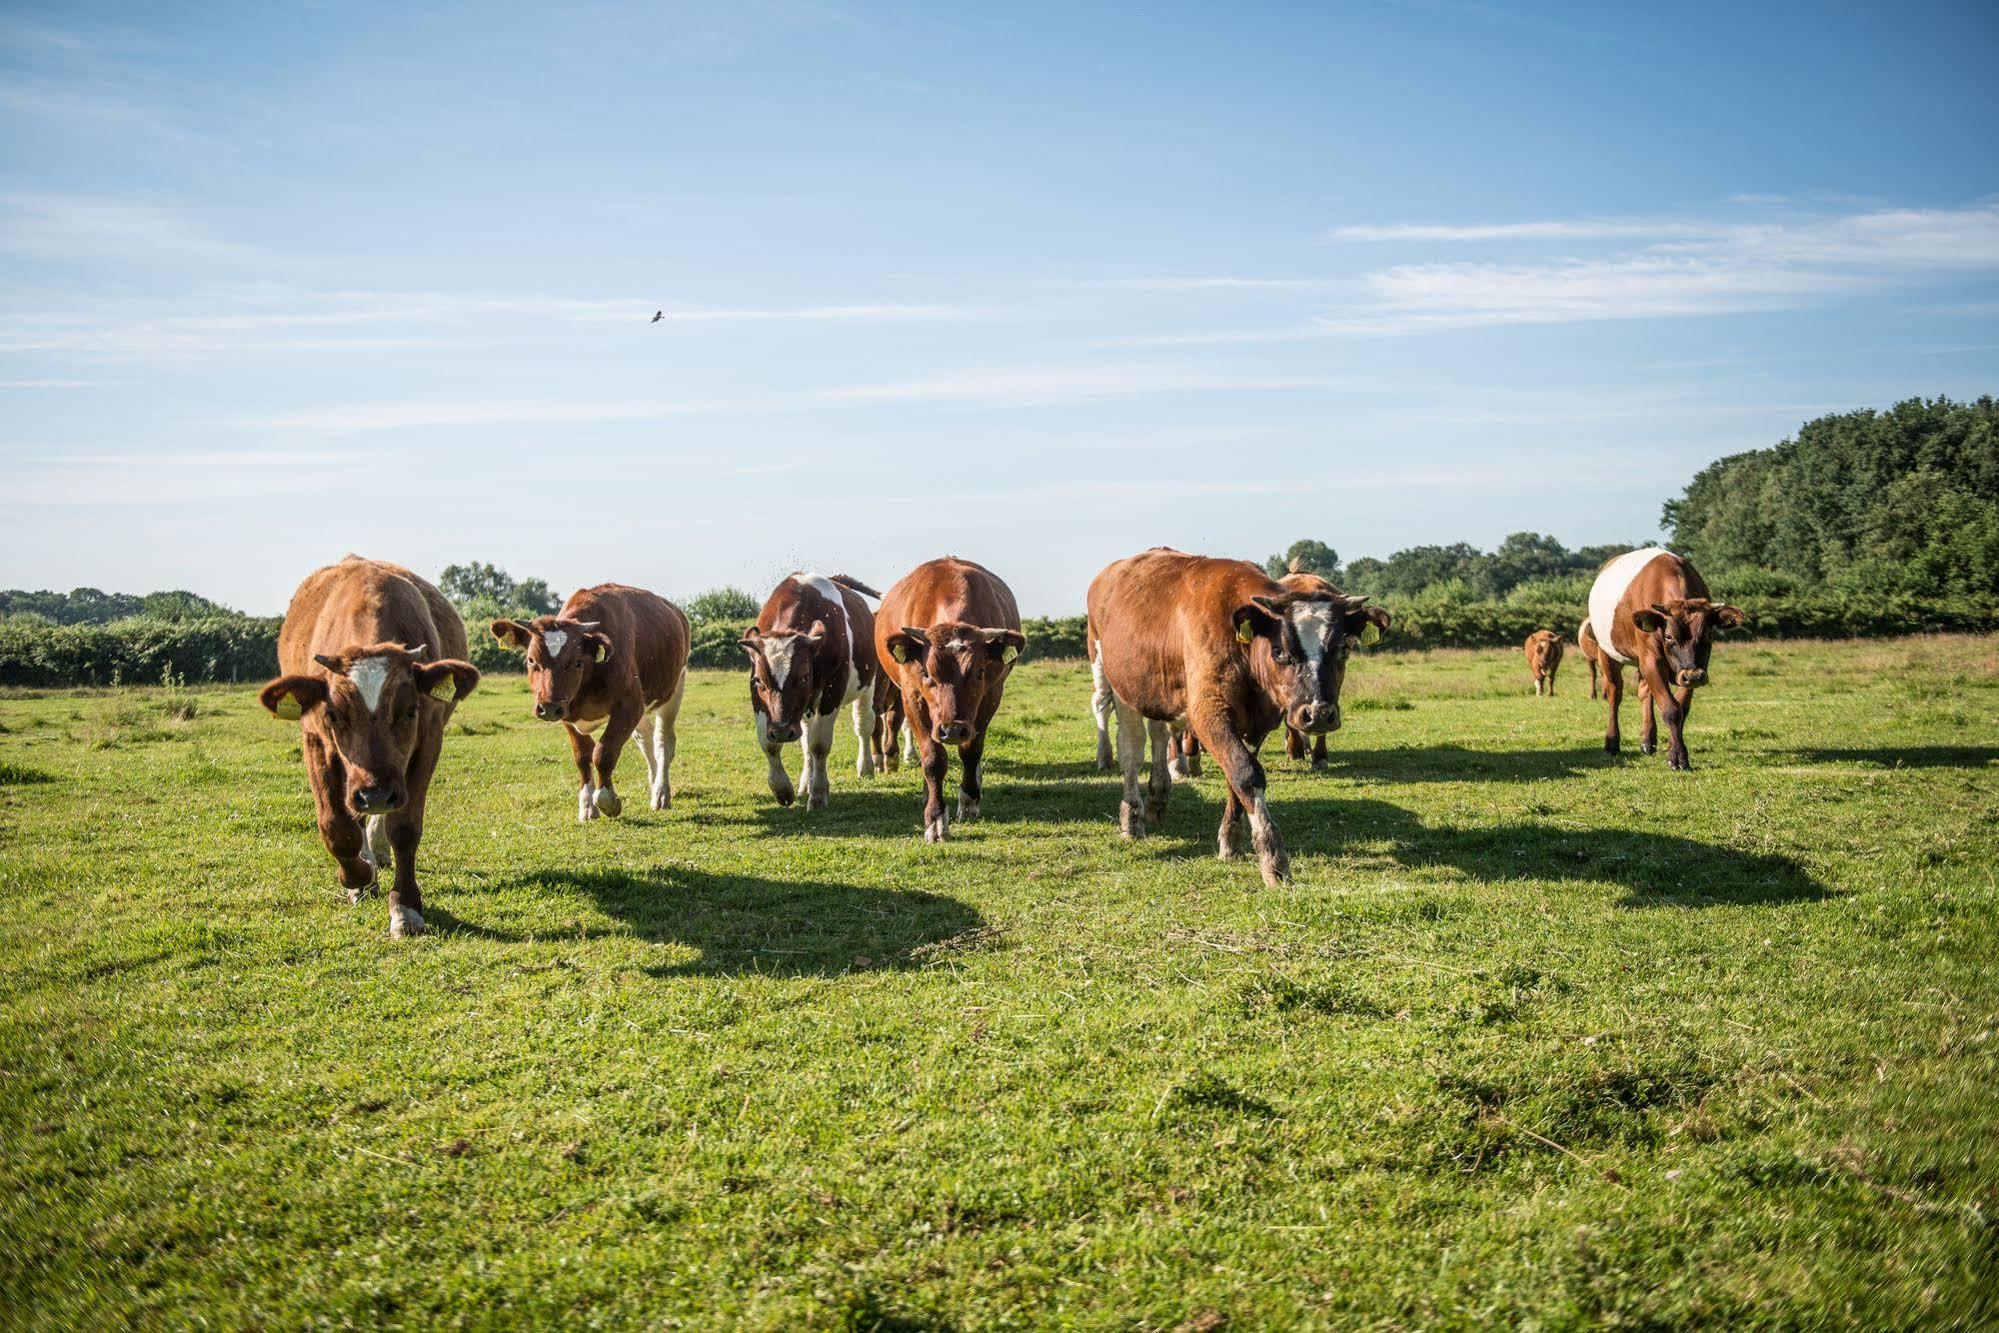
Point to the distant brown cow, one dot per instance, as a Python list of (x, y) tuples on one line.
[(373, 663), (812, 652), (1544, 658), (949, 633), (614, 657), (1235, 654), (1649, 608)]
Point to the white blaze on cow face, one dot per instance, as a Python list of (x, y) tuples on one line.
[(554, 640), (369, 675), (1314, 623), (779, 650)]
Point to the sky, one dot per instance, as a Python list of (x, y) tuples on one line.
[(1039, 285)]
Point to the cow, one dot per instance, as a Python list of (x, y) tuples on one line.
[(1544, 658), (1234, 654), (373, 663), (812, 652), (1300, 579), (1650, 608), (949, 631), (613, 657), (1586, 640)]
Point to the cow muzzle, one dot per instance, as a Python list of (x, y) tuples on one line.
[(1316, 719), (551, 711), (953, 733), (784, 733), (1691, 678), (379, 799)]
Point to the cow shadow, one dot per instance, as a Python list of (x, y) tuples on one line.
[(1654, 869), (748, 924), (892, 811), (1456, 763), (1912, 756)]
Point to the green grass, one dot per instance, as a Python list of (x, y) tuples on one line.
[(1537, 1034)]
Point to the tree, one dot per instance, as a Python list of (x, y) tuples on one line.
[(1306, 556), (723, 605), (489, 585)]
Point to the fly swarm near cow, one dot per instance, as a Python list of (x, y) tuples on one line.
[(812, 653), (613, 658), (373, 662)]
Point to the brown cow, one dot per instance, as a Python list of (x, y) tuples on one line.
[(949, 632), (1235, 654), (1651, 609), (373, 663), (1586, 640), (812, 651), (1544, 658), (612, 657)]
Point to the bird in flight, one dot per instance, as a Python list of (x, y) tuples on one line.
[(658, 315)]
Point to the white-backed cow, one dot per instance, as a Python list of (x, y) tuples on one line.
[(1235, 654), (949, 632), (613, 657), (812, 652), (1650, 609), (373, 666)]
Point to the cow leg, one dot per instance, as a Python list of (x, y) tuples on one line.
[(1190, 750), (1675, 705), (1648, 727), (1552, 669), (1592, 678), (617, 730), (1131, 754), (405, 832), (1613, 695), (971, 777), (1228, 838), (1102, 706), (1160, 783), (579, 749), (780, 781), (665, 742), (345, 840), (1319, 759), (864, 730), (1244, 772), (643, 734), (818, 742), (936, 763), (1294, 743)]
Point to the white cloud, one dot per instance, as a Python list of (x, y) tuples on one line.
[(1517, 231)]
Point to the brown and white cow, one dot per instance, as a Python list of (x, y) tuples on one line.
[(949, 633), (613, 657), (1592, 653), (1650, 609), (1235, 654), (373, 662), (1303, 580), (812, 652), (1544, 658)]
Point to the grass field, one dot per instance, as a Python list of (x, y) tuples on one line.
[(1538, 1035)]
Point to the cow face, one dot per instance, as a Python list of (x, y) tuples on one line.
[(1298, 646), (1682, 634), (369, 707), (956, 668), (561, 654), (1544, 650), (782, 686)]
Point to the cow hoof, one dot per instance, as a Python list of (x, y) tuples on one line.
[(968, 811), (936, 831), (1679, 763), (1178, 770), (662, 800), (1155, 812), (1647, 747), (1276, 870), (404, 921), (816, 801), (1610, 747), (607, 802), (1129, 821)]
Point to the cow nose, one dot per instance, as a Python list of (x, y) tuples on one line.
[(1321, 717), (1693, 678), (785, 734), (550, 712), (374, 800), (954, 733)]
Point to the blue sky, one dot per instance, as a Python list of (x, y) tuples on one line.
[(1039, 285)]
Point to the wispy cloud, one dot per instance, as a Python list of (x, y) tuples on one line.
[(1582, 230)]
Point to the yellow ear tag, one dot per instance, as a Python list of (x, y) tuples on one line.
[(288, 708), (602, 652), (1370, 634), (1009, 653), (446, 689), (898, 652), (1243, 633)]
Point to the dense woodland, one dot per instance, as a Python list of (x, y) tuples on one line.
[(1865, 523)]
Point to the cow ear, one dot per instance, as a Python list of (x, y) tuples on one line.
[(1365, 623), (817, 632), (512, 633), (1730, 617), (1651, 620), (752, 640), (1255, 616), (600, 646), (1006, 644), (337, 665), (910, 642), (291, 697), (447, 680)]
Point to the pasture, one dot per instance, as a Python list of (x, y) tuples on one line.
[(1538, 1034)]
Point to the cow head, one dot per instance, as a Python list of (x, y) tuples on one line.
[(1298, 644), (954, 667), (1544, 649), (1682, 634), (781, 681), (561, 654), (369, 706)]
